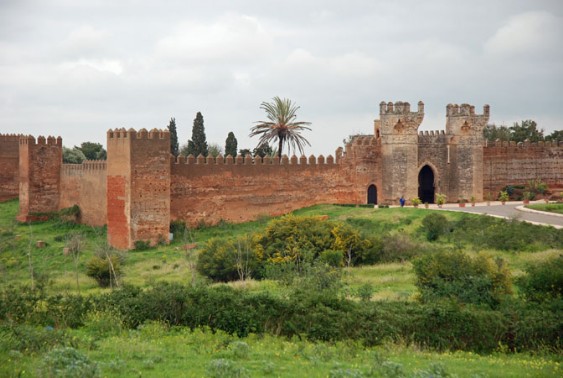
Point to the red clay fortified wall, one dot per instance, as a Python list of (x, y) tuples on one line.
[(40, 173), (85, 185), (237, 190), (138, 186), (9, 166), (509, 163)]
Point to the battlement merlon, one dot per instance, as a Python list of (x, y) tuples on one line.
[(398, 118), (399, 108), (122, 133), (41, 141), (462, 119)]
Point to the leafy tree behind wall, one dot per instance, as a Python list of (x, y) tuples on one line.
[(93, 151), (263, 150), (244, 151), (198, 144), (555, 136), (73, 155), (526, 130), (494, 132), (231, 145), (214, 149), (518, 132), (174, 147)]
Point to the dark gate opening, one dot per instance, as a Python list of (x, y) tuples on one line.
[(372, 195), (426, 185)]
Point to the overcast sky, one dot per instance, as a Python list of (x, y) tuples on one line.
[(77, 68)]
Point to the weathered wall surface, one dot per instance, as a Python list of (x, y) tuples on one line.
[(138, 186), (40, 175), (362, 162), (118, 189), (464, 130), (508, 163), (433, 151), (9, 166), (237, 191), (399, 149), (150, 185), (85, 185)]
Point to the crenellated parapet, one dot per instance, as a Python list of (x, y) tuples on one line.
[(523, 145), (435, 137), (28, 140), (462, 120), (10, 138), (397, 118), (122, 133), (257, 162), (87, 166)]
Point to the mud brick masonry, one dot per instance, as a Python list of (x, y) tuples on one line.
[(142, 187)]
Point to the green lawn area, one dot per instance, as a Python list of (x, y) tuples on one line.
[(156, 350), (550, 207)]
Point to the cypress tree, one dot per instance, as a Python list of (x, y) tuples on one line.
[(231, 145), (174, 147), (198, 144)]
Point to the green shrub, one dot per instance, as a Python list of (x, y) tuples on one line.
[(223, 368), (103, 323), (239, 349), (105, 270), (543, 280), (229, 260), (291, 238), (398, 247), (455, 275), (68, 362), (332, 258), (506, 235), (142, 245), (31, 339), (435, 225)]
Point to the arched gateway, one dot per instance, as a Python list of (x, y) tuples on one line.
[(372, 195), (426, 184)]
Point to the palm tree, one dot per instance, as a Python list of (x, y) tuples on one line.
[(281, 126)]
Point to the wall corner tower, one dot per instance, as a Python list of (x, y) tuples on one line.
[(39, 176), (138, 186)]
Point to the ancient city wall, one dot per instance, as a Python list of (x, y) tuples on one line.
[(508, 163), (138, 186), (238, 190), (85, 185), (9, 166), (39, 172)]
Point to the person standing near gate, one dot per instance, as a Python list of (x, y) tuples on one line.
[(402, 201)]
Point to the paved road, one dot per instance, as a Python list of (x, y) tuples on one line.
[(509, 211)]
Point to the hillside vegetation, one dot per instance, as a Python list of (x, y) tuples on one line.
[(326, 291)]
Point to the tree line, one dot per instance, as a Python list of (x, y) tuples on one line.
[(519, 132), (281, 129)]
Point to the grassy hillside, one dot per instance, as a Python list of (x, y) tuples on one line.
[(158, 348)]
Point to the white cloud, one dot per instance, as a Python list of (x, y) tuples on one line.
[(101, 65), (527, 33), (231, 39), (85, 41)]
